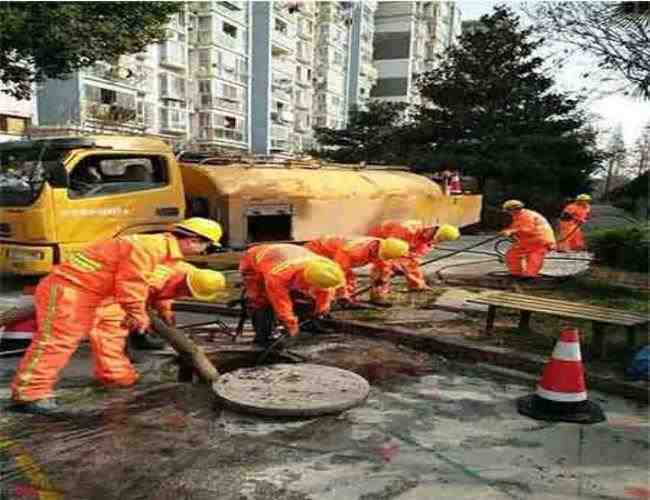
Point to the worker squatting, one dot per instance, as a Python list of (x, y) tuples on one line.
[(104, 291)]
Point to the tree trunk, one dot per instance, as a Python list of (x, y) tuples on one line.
[(185, 347)]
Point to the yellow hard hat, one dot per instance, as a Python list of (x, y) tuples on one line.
[(447, 232), (583, 197), (393, 248), (512, 205), (324, 273), (205, 284), (206, 228)]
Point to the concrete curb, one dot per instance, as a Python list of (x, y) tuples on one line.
[(459, 348)]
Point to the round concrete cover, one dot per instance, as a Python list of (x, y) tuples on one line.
[(292, 389)]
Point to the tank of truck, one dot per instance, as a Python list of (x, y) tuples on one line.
[(269, 202)]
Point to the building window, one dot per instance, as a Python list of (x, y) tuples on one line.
[(229, 91), (229, 122), (230, 30), (108, 96), (204, 86), (281, 27), (13, 124), (230, 6)]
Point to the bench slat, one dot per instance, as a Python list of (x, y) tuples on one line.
[(583, 309), (561, 308), (563, 304), (566, 314)]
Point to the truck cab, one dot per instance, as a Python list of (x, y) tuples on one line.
[(59, 194)]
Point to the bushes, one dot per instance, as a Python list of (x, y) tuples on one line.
[(625, 248)]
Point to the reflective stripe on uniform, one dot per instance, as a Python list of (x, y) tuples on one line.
[(82, 263), (25, 375)]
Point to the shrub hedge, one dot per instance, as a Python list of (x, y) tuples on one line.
[(623, 248)]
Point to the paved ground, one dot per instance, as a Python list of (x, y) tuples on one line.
[(445, 430), (452, 432)]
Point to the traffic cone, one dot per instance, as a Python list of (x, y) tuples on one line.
[(561, 394)]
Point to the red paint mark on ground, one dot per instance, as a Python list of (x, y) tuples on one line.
[(640, 492), (24, 490), (176, 420), (432, 394), (388, 451)]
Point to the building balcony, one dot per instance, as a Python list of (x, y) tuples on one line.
[(173, 120), (280, 132), (305, 56), (221, 134), (302, 103), (208, 102), (280, 94), (112, 113), (282, 42), (232, 10), (175, 61), (282, 117)]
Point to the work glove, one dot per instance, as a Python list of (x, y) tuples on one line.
[(168, 317), (136, 324)]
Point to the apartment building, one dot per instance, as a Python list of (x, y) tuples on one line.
[(148, 92), (16, 116), (282, 58), (363, 74), (407, 37), (220, 68), (236, 75)]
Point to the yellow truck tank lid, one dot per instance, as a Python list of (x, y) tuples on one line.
[(322, 183)]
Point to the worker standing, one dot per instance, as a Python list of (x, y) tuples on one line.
[(534, 239), (353, 252), (572, 218), (421, 239), (277, 275), (68, 298)]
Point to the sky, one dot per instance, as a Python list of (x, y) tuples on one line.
[(632, 114)]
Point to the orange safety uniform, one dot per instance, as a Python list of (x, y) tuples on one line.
[(271, 272), (109, 334), (414, 232), (534, 238), (348, 253), (68, 298), (573, 216)]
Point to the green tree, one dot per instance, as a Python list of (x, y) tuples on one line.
[(493, 111), (41, 40), (375, 135)]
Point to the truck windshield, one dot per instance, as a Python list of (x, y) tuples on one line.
[(23, 173)]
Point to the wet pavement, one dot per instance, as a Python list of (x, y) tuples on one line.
[(430, 428)]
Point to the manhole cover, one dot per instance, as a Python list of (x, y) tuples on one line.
[(292, 389)]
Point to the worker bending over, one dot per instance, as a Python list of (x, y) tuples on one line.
[(572, 218), (421, 239), (533, 240), (353, 252), (68, 299), (167, 282), (275, 276)]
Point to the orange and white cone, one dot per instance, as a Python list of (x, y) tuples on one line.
[(561, 394)]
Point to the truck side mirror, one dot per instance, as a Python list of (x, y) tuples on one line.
[(58, 176)]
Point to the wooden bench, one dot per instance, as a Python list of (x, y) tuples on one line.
[(599, 316)]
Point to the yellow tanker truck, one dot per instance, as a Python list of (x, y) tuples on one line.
[(59, 194)]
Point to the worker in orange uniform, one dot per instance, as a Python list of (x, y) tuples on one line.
[(534, 239), (167, 282), (421, 239), (572, 218), (277, 275), (357, 252), (68, 298)]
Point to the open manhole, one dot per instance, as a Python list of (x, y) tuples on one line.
[(291, 390)]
